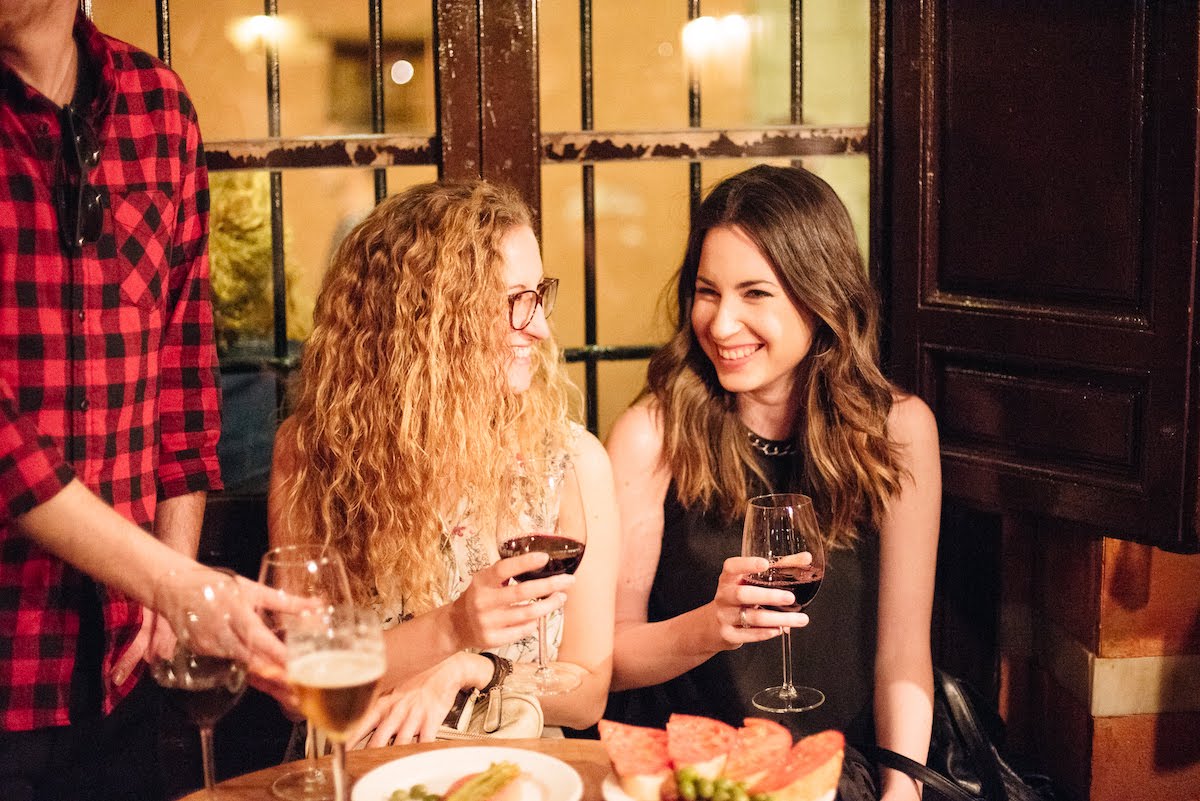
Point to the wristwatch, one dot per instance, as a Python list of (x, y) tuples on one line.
[(501, 667)]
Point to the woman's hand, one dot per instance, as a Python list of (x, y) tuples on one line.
[(493, 612), (738, 615), (418, 706)]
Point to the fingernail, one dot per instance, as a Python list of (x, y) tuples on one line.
[(118, 678)]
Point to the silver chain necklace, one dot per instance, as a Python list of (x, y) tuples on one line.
[(770, 447)]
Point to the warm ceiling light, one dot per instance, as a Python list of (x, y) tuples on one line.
[(250, 33)]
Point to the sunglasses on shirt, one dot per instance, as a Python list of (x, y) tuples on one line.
[(80, 204)]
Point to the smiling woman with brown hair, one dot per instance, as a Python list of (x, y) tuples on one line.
[(771, 383)]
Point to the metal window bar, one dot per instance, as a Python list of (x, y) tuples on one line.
[(587, 121), (695, 176), (377, 117)]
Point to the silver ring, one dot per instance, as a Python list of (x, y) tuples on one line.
[(742, 624)]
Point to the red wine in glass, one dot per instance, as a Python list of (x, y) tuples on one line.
[(802, 582), (782, 529), (546, 516), (565, 554), (202, 687)]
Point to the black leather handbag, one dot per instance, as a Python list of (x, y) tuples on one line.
[(965, 763)]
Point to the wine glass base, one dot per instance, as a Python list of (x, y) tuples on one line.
[(788, 699), (555, 678), (304, 785)]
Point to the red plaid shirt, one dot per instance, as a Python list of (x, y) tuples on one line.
[(107, 364)]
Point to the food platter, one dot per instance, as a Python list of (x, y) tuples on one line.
[(611, 790), (437, 770)]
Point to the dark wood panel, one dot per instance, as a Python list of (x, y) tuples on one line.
[(456, 88), (1085, 424), (508, 81), (1041, 136)]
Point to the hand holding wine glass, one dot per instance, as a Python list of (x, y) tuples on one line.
[(203, 677), (335, 661), (783, 530), (547, 516)]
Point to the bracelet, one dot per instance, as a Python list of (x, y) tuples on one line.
[(501, 667)]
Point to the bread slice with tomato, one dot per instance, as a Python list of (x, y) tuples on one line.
[(760, 745), (701, 744), (809, 772), (639, 758)]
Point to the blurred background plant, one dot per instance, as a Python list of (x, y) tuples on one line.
[(239, 251)]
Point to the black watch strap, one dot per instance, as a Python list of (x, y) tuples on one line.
[(494, 714), (501, 667)]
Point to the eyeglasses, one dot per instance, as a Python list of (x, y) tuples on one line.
[(80, 204), (523, 305)]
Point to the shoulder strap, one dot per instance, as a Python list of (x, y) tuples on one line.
[(926, 775)]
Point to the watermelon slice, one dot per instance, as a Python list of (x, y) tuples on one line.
[(760, 746), (811, 770), (701, 744), (639, 758)]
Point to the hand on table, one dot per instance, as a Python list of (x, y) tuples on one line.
[(417, 707)]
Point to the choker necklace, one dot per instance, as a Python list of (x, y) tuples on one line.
[(771, 447)]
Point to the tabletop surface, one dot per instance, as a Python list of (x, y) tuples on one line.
[(586, 756)]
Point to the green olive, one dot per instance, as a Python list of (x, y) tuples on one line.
[(704, 787), (687, 789)]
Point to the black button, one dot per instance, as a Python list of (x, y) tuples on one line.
[(84, 405)]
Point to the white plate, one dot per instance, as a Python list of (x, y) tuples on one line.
[(611, 790), (437, 770)]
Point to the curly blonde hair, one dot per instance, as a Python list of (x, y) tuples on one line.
[(403, 408), (801, 227)]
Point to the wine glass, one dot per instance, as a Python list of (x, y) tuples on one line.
[(304, 571), (204, 679), (334, 661), (537, 521), (782, 528)]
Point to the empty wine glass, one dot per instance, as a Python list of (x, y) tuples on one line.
[(203, 679), (304, 571), (781, 529), (335, 660), (538, 521)]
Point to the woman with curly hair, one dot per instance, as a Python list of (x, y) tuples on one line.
[(430, 372), (771, 383)]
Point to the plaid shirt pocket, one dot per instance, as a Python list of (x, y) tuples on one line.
[(143, 223)]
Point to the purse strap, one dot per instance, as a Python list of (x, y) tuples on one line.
[(922, 773)]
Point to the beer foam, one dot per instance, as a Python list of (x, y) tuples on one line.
[(335, 668)]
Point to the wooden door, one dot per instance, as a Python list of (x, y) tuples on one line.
[(1039, 197)]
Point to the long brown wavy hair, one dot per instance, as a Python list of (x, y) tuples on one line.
[(403, 409), (851, 470)]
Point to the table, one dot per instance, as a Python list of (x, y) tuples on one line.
[(586, 756)]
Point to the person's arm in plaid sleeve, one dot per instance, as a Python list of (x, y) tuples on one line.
[(79, 528), (189, 401)]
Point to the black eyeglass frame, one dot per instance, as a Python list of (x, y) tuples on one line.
[(80, 204), (545, 295)]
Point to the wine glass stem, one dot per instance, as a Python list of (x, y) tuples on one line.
[(339, 770), (206, 756), (785, 637), (542, 644), (313, 769)]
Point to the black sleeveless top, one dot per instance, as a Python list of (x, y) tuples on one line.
[(835, 653)]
